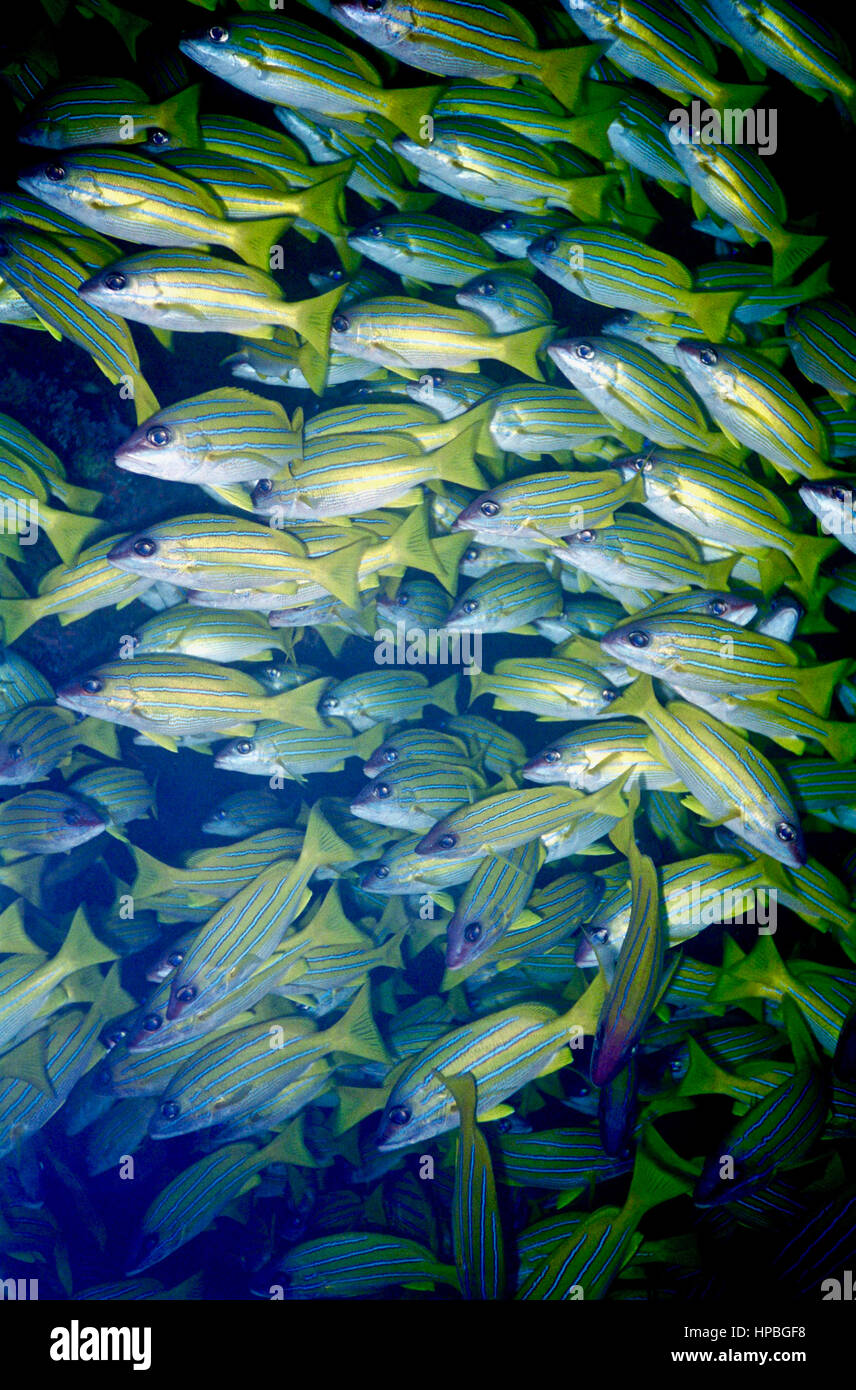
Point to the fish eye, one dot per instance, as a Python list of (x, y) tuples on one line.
[(382, 871), (472, 931), (436, 378), (170, 1110), (54, 172), (676, 1066), (585, 351), (840, 494), (218, 33), (186, 994), (144, 547), (174, 959), (624, 317), (382, 789), (373, 6), (608, 694), (638, 638), (600, 936), (586, 537), (341, 323), (785, 832), (92, 686), (506, 224), (158, 435), (330, 702), (376, 229), (551, 245), (717, 607), (490, 508), (115, 280), (16, 750), (469, 605), (552, 756), (243, 747), (72, 816), (447, 842), (264, 487), (402, 600), (471, 555), (708, 358), (152, 1022), (390, 756), (158, 137), (487, 287), (219, 815), (113, 1035), (399, 1114)]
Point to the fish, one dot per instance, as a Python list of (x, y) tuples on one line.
[(120, 192), (280, 750), (737, 786), (633, 388), (105, 111), (492, 901), (821, 335), (494, 43), (757, 406), (538, 507), (499, 1051), (165, 696), (610, 268), (289, 64), (553, 687), (355, 1264), (414, 795), (640, 554), (424, 248), (245, 813), (508, 600), (213, 440), (791, 42), (734, 182), (189, 292), (476, 1227), (377, 697), (508, 303), (49, 279), (403, 334), (593, 755), (47, 822), (508, 819)]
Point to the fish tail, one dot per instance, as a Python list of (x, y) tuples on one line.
[(733, 94), (839, 740), (774, 570), (338, 572), (299, 707), (411, 543), (455, 462), (588, 133), (586, 195), (562, 71), (321, 844), (17, 615), (410, 109), (153, 877), (312, 317), (287, 1147), (77, 499), (712, 312), (809, 552), (790, 249), (321, 204), (254, 239), (817, 683), (659, 1174), (24, 877), (357, 1032), (816, 284), (412, 200), (444, 694), (448, 551), (100, 735), (519, 350), (68, 533), (638, 699), (717, 573), (145, 401), (14, 939), (81, 947), (179, 115), (313, 365)]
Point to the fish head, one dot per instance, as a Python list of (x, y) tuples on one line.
[(442, 840), (554, 254), (555, 764), (227, 48), (119, 287), (159, 552), (642, 645), (586, 362), (373, 239), (596, 18), (380, 22), (707, 367), (412, 1112), (469, 933), (831, 501), (41, 132), (487, 514), (62, 183), (240, 755), (377, 802), (158, 449), (70, 821), (100, 692), (776, 833), (18, 764)]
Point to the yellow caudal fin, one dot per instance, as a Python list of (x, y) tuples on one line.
[(322, 844), (712, 311), (77, 499), (81, 947), (321, 203), (449, 550), (562, 71), (455, 461), (179, 115), (153, 877), (586, 195), (253, 240), (68, 533), (338, 573), (410, 109), (519, 350), (145, 400), (357, 1033), (100, 735), (299, 707), (14, 940), (444, 695), (790, 250), (311, 318), (17, 615)]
